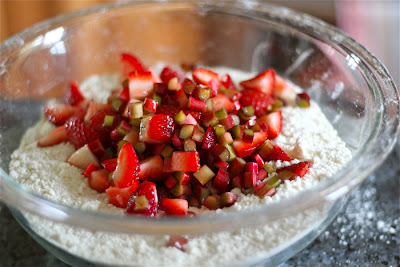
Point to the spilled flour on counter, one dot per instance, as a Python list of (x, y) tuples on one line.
[(306, 135)]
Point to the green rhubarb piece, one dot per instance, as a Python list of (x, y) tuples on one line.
[(180, 117), (222, 89), (263, 190), (226, 138), (204, 175), (110, 178), (248, 191), (225, 155), (256, 127), (117, 104), (209, 105), (135, 122), (243, 116), (268, 168), (136, 110), (140, 147), (235, 131), (273, 181), (180, 176), (173, 84), (302, 103), (121, 130), (232, 154), (276, 105), (108, 121), (211, 202), (189, 145), (177, 190), (188, 88), (167, 151), (204, 93), (221, 114), (157, 98), (285, 175), (141, 203), (249, 132), (219, 130), (121, 143), (227, 199), (186, 131), (236, 119), (248, 111)]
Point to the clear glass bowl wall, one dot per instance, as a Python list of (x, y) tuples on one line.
[(352, 87)]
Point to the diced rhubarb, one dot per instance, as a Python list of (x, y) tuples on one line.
[(55, 137), (175, 206), (148, 191), (110, 164), (227, 199), (152, 168), (271, 151), (262, 174), (97, 148), (263, 190), (170, 182), (82, 157), (132, 136), (119, 196), (156, 129), (140, 84), (251, 167), (98, 180), (244, 149), (249, 179), (185, 161), (303, 100), (212, 202), (204, 175), (221, 180), (128, 167), (236, 166), (264, 82)]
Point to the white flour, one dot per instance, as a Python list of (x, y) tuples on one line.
[(306, 135)]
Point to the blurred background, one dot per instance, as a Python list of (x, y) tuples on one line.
[(375, 24)]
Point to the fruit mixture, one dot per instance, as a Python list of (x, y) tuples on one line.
[(163, 143)]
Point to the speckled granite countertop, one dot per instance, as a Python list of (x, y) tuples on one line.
[(365, 233)]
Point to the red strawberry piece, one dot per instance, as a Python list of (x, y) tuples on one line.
[(226, 81), (221, 101), (73, 95), (285, 91), (196, 105), (149, 191), (169, 73), (160, 88), (163, 192), (175, 206), (77, 132), (150, 105), (185, 161), (257, 99), (221, 180), (177, 242), (82, 157), (170, 182), (244, 149), (271, 151), (55, 137), (128, 167), (119, 196), (140, 84), (213, 84), (130, 63), (98, 180), (152, 168), (210, 139), (204, 76), (293, 171), (93, 108), (274, 122), (90, 168), (124, 96), (264, 82), (156, 129), (181, 98), (97, 148), (110, 164), (59, 113)]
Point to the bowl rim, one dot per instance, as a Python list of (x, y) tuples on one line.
[(328, 190)]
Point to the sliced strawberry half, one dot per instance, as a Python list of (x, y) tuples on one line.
[(130, 63), (140, 84), (221, 101), (128, 167), (148, 205), (244, 149), (55, 137), (59, 113), (274, 122), (169, 73), (293, 171), (285, 91), (264, 82), (119, 196), (83, 157), (156, 129), (77, 132), (271, 151), (185, 161), (257, 99), (152, 169), (73, 95), (175, 206), (98, 180), (204, 76)]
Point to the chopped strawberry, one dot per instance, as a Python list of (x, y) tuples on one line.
[(244, 149), (147, 190), (110, 164), (271, 151), (93, 108), (221, 101), (55, 137), (98, 180), (89, 169), (59, 113), (175, 206), (210, 139), (156, 129), (169, 73), (132, 136), (204, 76), (124, 96), (257, 99), (129, 64), (73, 95), (274, 122), (77, 132), (140, 84), (226, 81), (128, 167), (82, 157), (119, 196), (152, 168), (185, 161), (177, 242), (264, 82), (97, 148), (293, 171), (285, 91), (96, 124)]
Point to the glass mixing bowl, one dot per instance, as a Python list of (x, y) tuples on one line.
[(352, 87)]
